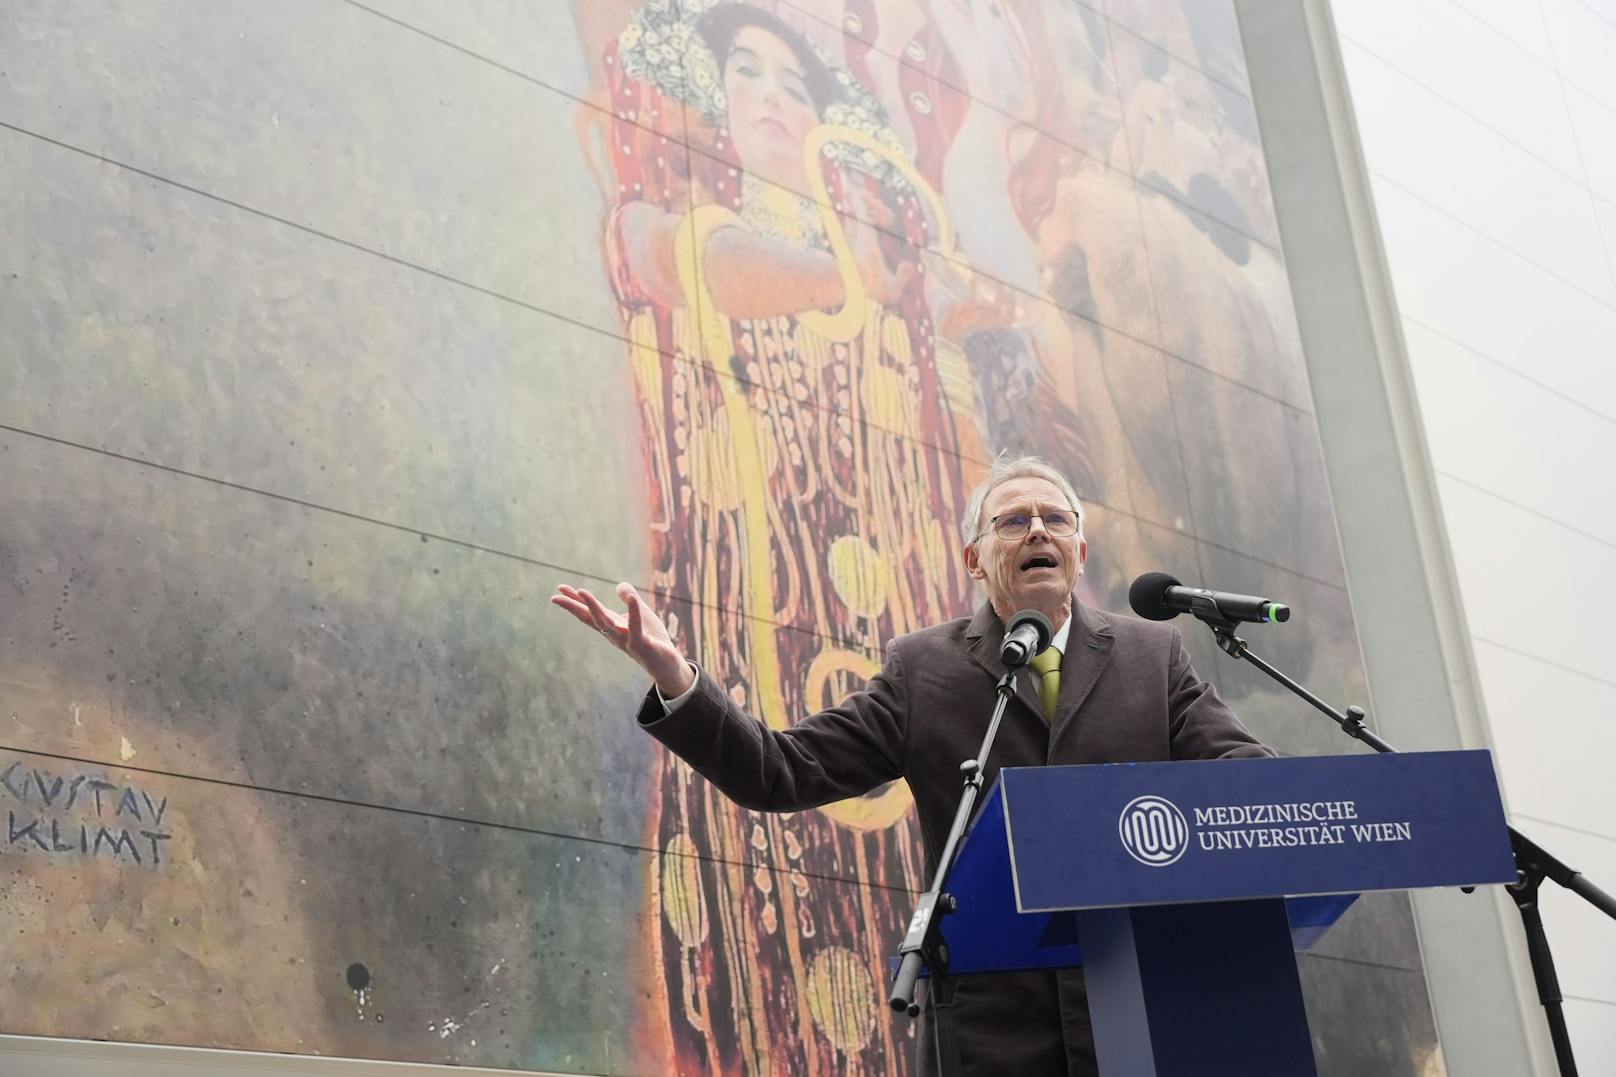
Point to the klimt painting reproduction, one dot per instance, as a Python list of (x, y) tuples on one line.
[(334, 334)]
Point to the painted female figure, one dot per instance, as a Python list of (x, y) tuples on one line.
[(804, 462)]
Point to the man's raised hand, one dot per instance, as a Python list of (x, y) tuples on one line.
[(638, 633)]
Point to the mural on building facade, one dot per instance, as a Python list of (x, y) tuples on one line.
[(306, 400)]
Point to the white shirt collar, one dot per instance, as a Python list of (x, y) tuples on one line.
[(1059, 642)]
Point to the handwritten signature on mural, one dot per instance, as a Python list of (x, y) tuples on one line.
[(81, 815)]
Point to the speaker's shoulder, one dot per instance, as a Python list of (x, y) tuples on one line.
[(948, 634), (1127, 629)]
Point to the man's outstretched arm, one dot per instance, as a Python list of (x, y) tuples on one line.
[(841, 752)]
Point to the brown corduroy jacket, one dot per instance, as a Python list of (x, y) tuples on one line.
[(1127, 694)]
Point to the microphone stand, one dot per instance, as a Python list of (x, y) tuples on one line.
[(1533, 863), (923, 944)]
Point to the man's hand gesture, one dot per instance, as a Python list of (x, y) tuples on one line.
[(639, 633)]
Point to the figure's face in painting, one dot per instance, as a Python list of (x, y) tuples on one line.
[(770, 109), (1037, 570)]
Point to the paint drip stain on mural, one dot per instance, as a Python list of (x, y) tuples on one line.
[(81, 815)]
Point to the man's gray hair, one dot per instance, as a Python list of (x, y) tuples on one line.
[(1005, 468)]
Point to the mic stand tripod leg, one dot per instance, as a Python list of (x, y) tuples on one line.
[(1525, 893)]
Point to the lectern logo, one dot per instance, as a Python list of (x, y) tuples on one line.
[(1153, 831)]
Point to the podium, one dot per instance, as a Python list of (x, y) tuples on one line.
[(1186, 889)]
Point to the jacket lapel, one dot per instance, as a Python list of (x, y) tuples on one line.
[(1088, 649), (984, 635)]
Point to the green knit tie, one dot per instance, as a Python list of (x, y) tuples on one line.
[(1047, 663)]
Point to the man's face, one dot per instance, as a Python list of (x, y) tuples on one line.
[(1036, 570)]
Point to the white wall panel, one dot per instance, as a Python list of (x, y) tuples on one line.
[(1467, 287), (1530, 582), (1584, 44), (1595, 125), (1554, 732), (1607, 224), (1593, 1029), (1459, 58), (1432, 149), (1521, 21), (1605, 9), (1492, 428)]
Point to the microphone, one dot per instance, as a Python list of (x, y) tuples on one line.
[(1156, 596), (1029, 633)]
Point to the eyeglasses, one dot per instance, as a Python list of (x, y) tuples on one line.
[(1058, 523)]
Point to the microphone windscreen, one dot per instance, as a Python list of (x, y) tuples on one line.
[(1148, 596), (1046, 631)]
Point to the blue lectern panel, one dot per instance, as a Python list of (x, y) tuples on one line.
[(1311, 917), (1164, 833), (987, 933)]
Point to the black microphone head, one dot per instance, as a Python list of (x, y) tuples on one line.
[(1148, 596), (1046, 631)]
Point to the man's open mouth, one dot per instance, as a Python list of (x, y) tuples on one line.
[(1038, 561)]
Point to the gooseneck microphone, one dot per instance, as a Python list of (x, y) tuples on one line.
[(1028, 634), (1156, 596)]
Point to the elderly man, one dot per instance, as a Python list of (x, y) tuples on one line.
[(1112, 689)]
